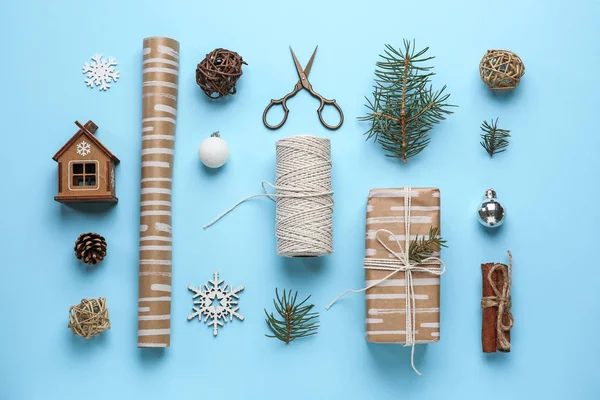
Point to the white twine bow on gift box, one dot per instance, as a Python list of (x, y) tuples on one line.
[(401, 263)]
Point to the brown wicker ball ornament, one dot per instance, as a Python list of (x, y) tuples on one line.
[(90, 248), (89, 318), (501, 69), (219, 72)]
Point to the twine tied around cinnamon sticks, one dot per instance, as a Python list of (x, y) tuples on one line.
[(401, 263), (499, 279)]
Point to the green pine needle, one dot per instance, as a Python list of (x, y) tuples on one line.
[(293, 321), (494, 140), (405, 107), (421, 248)]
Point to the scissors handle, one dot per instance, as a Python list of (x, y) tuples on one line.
[(333, 103), (282, 101)]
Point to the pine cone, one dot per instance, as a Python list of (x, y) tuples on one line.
[(90, 248)]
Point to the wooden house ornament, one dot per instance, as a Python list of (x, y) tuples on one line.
[(86, 169)]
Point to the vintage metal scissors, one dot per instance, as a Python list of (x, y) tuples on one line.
[(303, 83)]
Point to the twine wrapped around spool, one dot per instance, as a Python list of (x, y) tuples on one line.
[(304, 203), (89, 318), (501, 69), (219, 72), (303, 197)]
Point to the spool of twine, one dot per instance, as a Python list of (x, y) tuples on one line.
[(89, 318), (303, 197), (304, 202)]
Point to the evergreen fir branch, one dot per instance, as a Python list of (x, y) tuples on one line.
[(405, 107), (421, 248), (494, 139), (294, 321)]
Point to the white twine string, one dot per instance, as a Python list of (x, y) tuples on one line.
[(401, 263), (303, 197)]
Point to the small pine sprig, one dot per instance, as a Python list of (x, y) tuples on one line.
[(421, 248), (294, 321), (405, 107), (494, 140)]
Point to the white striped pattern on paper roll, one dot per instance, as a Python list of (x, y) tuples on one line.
[(159, 116)]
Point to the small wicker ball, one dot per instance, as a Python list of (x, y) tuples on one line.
[(501, 69), (218, 73), (89, 318)]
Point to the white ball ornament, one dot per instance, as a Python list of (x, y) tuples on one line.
[(213, 151)]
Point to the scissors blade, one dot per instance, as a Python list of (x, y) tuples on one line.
[(299, 69), (310, 63)]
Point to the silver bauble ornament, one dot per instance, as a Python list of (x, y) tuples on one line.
[(491, 213)]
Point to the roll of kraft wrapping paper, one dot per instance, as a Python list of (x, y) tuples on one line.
[(159, 117)]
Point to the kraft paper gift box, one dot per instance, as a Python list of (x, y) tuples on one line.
[(386, 302)]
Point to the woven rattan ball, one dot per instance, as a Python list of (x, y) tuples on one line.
[(219, 72), (501, 69), (89, 318)]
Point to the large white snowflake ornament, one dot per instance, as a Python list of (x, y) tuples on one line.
[(216, 303), (84, 148), (100, 72)]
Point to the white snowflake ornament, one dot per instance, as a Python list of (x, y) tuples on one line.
[(84, 148), (100, 72), (215, 303)]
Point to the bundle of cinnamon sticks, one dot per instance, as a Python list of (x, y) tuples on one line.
[(497, 319)]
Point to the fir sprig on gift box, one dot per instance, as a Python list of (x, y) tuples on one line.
[(405, 106), (295, 320), (423, 247), (494, 140)]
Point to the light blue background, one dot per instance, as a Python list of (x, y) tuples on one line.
[(547, 180)]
